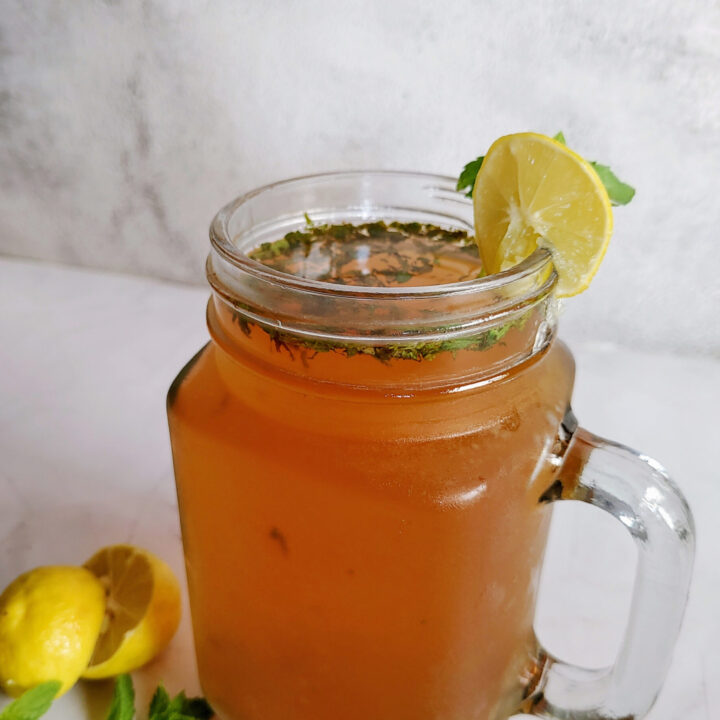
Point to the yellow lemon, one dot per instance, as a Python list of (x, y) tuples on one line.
[(533, 191), (143, 609), (50, 618)]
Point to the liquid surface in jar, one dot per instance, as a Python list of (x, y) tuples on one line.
[(375, 254)]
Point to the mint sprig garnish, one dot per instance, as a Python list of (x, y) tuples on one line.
[(162, 706), (468, 175), (619, 192), (33, 703), (178, 708)]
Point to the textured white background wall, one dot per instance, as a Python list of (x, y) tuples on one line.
[(125, 125)]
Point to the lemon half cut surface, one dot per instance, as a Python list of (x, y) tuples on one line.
[(142, 609), (532, 191)]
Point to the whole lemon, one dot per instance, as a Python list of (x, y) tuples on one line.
[(50, 619)]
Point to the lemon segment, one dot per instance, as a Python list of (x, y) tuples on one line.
[(50, 618), (143, 609), (532, 191)]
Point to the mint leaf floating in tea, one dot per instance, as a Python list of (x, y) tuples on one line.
[(33, 703), (375, 254)]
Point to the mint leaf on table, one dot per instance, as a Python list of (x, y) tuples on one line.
[(560, 137), (468, 175), (159, 703), (161, 706), (33, 703), (179, 708), (122, 706), (620, 193), (198, 708)]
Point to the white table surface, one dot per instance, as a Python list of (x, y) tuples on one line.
[(85, 362)]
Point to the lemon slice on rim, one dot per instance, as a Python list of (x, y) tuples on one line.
[(533, 191), (142, 609)]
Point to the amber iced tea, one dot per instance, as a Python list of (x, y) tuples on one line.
[(355, 552), (366, 453), (362, 559)]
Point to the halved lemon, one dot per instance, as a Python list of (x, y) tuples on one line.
[(533, 191), (142, 609)]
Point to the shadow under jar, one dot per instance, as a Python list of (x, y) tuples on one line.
[(366, 477)]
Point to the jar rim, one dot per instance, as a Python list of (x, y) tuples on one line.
[(510, 314), (222, 244)]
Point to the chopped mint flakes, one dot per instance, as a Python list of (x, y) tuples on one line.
[(402, 350)]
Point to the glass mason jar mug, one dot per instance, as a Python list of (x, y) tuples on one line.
[(366, 477)]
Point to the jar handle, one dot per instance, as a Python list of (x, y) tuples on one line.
[(637, 491)]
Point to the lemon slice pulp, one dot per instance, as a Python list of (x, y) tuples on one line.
[(142, 609), (533, 191)]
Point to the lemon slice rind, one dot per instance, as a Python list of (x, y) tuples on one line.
[(533, 191)]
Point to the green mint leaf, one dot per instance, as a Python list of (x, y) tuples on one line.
[(180, 707), (122, 706), (159, 703), (190, 708), (33, 703), (308, 220), (198, 708), (620, 193), (177, 703), (402, 277), (468, 175)]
